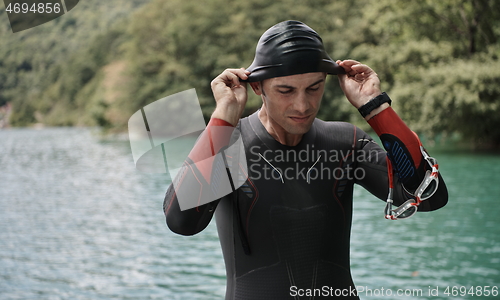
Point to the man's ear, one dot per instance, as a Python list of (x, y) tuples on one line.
[(256, 87)]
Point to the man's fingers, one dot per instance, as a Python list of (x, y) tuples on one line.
[(231, 77), (228, 87), (240, 91), (361, 68), (347, 64), (353, 67), (242, 74)]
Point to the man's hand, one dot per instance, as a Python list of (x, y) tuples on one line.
[(360, 83), (230, 95)]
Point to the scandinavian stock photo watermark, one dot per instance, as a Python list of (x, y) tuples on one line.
[(309, 163)]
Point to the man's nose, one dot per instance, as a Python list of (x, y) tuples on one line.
[(301, 103)]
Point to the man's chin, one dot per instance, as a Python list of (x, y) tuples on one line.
[(300, 128)]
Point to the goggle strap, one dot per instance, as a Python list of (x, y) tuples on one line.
[(390, 172)]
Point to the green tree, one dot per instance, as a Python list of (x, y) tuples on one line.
[(33, 61), (440, 61)]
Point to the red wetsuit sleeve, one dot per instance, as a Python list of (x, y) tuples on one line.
[(401, 143), (388, 122), (211, 141)]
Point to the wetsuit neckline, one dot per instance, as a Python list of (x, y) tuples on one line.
[(268, 140)]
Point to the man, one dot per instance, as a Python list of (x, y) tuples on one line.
[(285, 232)]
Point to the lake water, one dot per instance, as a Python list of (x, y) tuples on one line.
[(77, 221)]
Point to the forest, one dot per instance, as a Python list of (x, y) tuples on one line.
[(439, 60)]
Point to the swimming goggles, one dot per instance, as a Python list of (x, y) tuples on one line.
[(425, 190)]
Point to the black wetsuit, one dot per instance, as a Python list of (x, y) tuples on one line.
[(290, 231)]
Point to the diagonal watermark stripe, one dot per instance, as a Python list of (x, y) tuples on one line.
[(64, 6), (163, 133)]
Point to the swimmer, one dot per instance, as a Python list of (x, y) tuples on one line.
[(289, 227)]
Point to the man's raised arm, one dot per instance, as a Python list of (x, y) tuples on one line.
[(361, 86), (192, 197)]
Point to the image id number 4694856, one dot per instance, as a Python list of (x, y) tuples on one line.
[(471, 291), (40, 8)]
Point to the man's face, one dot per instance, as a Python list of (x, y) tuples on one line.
[(292, 102)]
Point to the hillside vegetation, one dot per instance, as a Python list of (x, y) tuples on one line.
[(73, 47), (438, 60)]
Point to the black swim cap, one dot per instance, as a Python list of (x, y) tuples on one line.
[(290, 48)]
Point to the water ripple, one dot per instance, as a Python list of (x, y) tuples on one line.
[(77, 221)]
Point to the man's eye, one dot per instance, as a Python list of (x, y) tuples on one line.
[(285, 91), (313, 89)]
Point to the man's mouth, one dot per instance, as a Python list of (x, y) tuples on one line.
[(300, 119)]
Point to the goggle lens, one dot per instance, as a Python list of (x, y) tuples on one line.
[(406, 210), (408, 213), (429, 190)]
